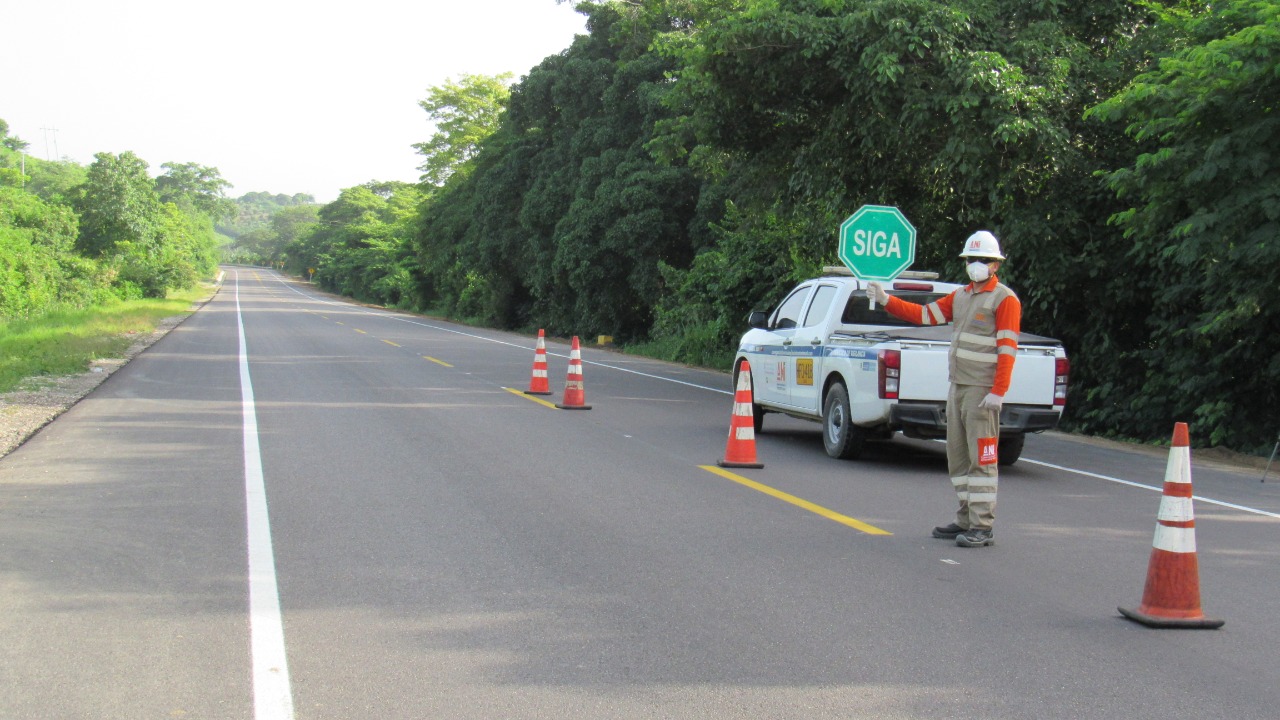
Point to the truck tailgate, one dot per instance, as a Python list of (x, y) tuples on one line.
[(924, 375)]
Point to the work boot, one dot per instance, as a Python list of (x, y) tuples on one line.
[(975, 538), (948, 532)]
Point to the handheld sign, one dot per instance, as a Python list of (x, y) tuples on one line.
[(877, 243)]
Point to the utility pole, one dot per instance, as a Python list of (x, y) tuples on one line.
[(48, 130)]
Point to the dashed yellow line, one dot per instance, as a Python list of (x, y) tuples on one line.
[(540, 401), (799, 502), (438, 362), (360, 331), (390, 343)]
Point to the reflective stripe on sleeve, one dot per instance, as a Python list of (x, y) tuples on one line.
[(936, 312)]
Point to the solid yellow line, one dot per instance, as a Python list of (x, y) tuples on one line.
[(390, 343), (786, 497), (438, 362), (540, 401)]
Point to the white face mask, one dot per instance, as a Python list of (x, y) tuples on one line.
[(979, 271)]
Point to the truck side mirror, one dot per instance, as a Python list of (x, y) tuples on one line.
[(758, 319)]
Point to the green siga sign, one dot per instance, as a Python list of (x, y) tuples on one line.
[(877, 242)]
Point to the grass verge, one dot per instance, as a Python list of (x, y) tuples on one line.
[(65, 342)]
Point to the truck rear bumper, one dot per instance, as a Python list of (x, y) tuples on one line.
[(929, 420)]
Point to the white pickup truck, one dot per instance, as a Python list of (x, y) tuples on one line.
[(824, 355)]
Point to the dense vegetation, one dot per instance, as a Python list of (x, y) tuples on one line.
[(688, 160), (73, 237)]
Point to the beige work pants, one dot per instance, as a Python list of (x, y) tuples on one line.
[(972, 436)]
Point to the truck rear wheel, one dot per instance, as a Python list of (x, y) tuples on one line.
[(841, 437), (1009, 449)]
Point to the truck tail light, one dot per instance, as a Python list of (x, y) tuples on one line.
[(890, 366), (1062, 368)]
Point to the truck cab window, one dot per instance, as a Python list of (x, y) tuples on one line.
[(821, 304), (858, 312), (787, 315)]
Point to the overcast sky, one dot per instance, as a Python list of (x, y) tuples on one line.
[(282, 96)]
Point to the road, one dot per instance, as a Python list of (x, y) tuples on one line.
[(427, 543)]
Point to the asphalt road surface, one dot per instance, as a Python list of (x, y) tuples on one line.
[(293, 506)]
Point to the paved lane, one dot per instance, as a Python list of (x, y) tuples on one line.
[(446, 548)]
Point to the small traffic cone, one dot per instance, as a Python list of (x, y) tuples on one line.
[(538, 383), (1171, 598), (740, 451), (575, 396)]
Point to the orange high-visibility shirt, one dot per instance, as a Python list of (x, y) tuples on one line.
[(984, 344)]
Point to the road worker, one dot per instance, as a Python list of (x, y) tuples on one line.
[(987, 318)]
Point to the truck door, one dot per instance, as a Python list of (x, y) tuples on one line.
[(772, 371), (807, 346)]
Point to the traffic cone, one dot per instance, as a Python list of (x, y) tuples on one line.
[(1171, 598), (575, 396), (740, 451), (538, 383)]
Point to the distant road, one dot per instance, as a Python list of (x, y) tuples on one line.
[(428, 542)]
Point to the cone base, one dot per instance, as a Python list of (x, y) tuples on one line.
[(728, 464), (573, 407), (538, 392), (1162, 622)]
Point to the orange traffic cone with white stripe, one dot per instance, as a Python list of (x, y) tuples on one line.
[(538, 382), (575, 395), (740, 451), (1171, 598)]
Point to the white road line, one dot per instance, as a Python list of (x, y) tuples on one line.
[(1108, 478), (272, 696), (411, 321)]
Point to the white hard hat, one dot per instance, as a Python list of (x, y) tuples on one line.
[(982, 244)]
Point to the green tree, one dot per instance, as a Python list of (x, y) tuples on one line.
[(1201, 231), (12, 142), (117, 203), (195, 187), (361, 244), (39, 269), (464, 113)]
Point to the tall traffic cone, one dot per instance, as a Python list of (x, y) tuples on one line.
[(1171, 598), (575, 395), (538, 383), (740, 451)]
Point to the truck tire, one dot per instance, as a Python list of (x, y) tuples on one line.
[(757, 412), (1010, 448), (841, 437)]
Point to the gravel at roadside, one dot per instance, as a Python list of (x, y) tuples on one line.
[(23, 412)]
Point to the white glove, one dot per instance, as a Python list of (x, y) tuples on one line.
[(877, 294), (991, 402)]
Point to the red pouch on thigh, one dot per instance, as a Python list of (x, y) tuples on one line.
[(987, 453)]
